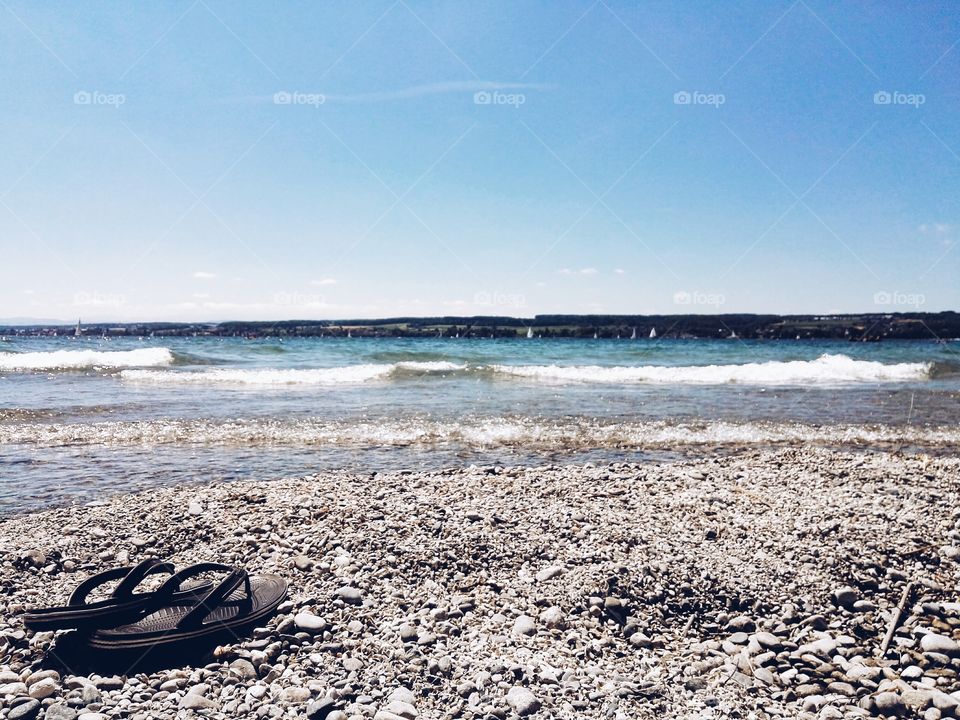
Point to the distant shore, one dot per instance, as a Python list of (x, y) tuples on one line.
[(866, 327), (757, 584)]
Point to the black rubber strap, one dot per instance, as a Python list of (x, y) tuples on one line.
[(131, 577), (215, 598), (125, 587)]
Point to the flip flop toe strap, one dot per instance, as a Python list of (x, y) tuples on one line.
[(131, 577), (217, 597)]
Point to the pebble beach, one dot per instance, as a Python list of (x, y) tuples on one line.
[(757, 584)]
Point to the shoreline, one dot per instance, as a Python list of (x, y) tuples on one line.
[(757, 581)]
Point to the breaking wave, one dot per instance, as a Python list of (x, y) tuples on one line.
[(81, 359), (826, 369), (346, 374)]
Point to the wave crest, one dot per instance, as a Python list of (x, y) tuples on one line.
[(826, 369), (81, 359)]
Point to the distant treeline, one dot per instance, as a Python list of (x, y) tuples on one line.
[(858, 328)]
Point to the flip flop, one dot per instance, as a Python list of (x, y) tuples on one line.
[(173, 617), (121, 607)]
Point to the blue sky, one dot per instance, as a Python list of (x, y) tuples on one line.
[(205, 160)]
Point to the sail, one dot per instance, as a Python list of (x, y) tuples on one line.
[(653, 332)]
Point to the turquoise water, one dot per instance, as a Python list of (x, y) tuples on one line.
[(80, 417)]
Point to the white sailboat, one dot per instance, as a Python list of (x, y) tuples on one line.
[(78, 331), (529, 332), (653, 332), (594, 336), (633, 335)]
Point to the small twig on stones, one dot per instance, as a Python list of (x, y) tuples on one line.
[(895, 618)]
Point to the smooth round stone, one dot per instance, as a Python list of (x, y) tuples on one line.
[(60, 712), (350, 595), (43, 689), (934, 643), (845, 596), (741, 623), (25, 710), (308, 622)]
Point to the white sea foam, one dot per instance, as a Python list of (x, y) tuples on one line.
[(571, 435), (430, 366), (262, 377), (79, 359), (826, 369)]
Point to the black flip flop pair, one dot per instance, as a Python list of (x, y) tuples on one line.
[(171, 614)]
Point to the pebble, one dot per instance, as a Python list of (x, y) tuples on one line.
[(524, 625), (522, 701), (845, 596), (934, 643), (308, 622), (60, 711), (25, 710), (350, 595)]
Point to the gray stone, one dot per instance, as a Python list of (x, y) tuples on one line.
[(522, 701), (243, 669), (302, 563), (552, 617), (549, 573), (889, 703), (524, 625), (44, 688), (350, 595), (60, 712), (933, 643), (321, 709), (741, 623), (845, 596), (192, 701), (308, 622), (25, 710)]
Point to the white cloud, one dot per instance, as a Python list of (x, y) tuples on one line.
[(936, 228), (324, 281), (201, 275), (582, 271), (620, 271)]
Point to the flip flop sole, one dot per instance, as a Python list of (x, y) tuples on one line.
[(93, 615), (160, 628)]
